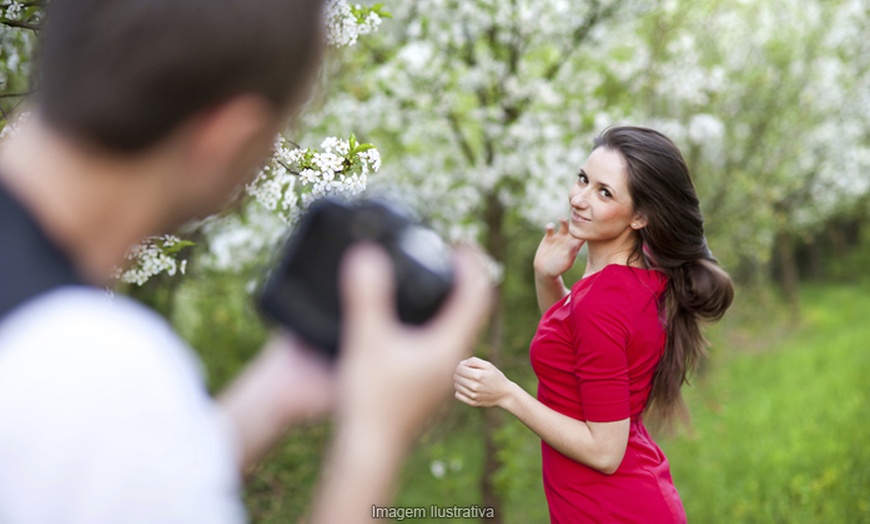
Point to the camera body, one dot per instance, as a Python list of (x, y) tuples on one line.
[(302, 291)]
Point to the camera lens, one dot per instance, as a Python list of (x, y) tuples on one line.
[(425, 247)]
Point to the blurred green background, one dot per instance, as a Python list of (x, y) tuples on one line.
[(779, 430), (483, 111)]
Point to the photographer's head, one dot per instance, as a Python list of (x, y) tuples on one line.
[(672, 240), (147, 114), (125, 74)]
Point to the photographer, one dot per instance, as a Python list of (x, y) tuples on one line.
[(147, 115)]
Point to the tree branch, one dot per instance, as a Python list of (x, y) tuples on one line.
[(597, 14), (464, 144), (15, 95), (19, 24)]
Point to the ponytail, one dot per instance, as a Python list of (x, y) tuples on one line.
[(698, 291)]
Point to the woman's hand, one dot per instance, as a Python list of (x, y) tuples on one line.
[(555, 255), (480, 384), (556, 252)]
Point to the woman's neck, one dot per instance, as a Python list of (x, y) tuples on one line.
[(600, 256)]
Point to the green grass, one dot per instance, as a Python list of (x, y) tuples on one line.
[(781, 428)]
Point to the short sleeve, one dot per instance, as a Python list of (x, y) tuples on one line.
[(601, 337)]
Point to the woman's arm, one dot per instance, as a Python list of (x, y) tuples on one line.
[(599, 445), (555, 255), (549, 290)]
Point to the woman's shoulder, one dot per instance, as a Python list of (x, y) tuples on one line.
[(618, 279), (633, 276)]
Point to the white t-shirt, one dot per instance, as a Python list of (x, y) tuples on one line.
[(104, 418)]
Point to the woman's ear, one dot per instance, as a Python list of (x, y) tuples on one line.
[(638, 222)]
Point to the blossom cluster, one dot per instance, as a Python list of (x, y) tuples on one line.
[(13, 11), (11, 128), (345, 23), (153, 256), (296, 177), (236, 242)]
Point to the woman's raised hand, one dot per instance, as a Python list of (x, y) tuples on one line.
[(556, 252), (555, 255)]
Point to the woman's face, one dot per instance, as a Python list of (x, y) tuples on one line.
[(601, 207)]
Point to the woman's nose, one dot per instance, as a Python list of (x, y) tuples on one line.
[(577, 198)]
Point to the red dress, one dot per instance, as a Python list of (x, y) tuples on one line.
[(595, 353)]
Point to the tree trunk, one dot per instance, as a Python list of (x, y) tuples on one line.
[(816, 259), (493, 418), (788, 270)]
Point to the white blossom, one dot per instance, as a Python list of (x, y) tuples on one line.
[(438, 469), (152, 256), (296, 176), (11, 128), (237, 241), (344, 24), (371, 160), (14, 10)]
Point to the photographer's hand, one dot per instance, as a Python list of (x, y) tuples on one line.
[(287, 383), (391, 377)]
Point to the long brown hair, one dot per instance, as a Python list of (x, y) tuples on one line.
[(672, 242)]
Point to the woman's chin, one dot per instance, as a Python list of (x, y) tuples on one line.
[(577, 232)]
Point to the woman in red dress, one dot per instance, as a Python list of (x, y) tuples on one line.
[(622, 341)]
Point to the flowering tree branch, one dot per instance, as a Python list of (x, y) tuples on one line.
[(22, 15)]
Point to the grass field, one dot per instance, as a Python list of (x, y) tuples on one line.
[(782, 425)]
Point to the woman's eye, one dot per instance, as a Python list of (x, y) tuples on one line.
[(582, 178), (605, 193)]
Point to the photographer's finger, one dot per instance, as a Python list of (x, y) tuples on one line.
[(367, 287)]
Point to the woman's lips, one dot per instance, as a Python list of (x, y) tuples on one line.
[(577, 217)]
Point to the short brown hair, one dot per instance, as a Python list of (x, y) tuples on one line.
[(123, 74)]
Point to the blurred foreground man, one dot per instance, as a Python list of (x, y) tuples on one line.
[(146, 115)]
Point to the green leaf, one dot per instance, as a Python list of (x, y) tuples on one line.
[(379, 9), (178, 246)]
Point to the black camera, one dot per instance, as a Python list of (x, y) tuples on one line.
[(302, 291)]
